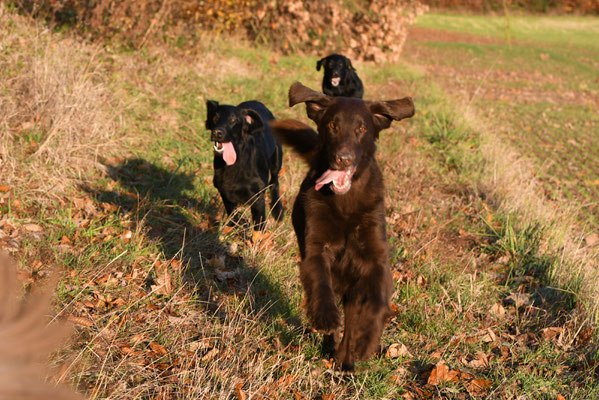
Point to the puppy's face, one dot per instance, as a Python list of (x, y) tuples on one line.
[(348, 129), (228, 125), (336, 67)]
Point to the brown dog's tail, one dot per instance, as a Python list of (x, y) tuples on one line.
[(297, 135)]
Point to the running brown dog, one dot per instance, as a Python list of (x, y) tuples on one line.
[(339, 217)]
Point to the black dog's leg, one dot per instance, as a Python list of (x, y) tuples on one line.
[(259, 213), (275, 198), (275, 201), (229, 208)]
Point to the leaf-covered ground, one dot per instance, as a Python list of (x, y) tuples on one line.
[(169, 303)]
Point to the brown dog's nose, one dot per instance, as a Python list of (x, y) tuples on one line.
[(344, 159)]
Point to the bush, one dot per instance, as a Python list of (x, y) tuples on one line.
[(362, 29)]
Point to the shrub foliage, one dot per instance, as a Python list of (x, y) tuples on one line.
[(362, 29)]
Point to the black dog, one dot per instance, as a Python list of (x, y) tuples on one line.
[(339, 217), (247, 157), (340, 77)]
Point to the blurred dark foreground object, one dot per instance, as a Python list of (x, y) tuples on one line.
[(26, 340)]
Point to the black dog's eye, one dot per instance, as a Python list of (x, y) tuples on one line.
[(232, 119), (332, 126), (215, 118)]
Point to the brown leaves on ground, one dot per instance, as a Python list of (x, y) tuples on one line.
[(397, 350), (442, 374)]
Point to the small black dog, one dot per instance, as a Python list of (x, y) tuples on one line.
[(340, 77), (247, 157)]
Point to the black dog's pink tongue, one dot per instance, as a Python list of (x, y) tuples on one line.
[(330, 175), (229, 154)]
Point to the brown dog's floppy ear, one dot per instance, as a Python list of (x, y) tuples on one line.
[(316, 102), (252, 122), (383, 112)]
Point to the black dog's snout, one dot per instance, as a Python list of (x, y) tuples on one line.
[(218, 135), (344, 159)]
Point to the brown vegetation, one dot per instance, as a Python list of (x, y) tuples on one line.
[(369, 30)]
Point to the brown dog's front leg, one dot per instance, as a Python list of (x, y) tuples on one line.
[(366, 307), (320, 300)]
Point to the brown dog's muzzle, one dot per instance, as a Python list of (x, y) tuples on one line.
[(344, 160)]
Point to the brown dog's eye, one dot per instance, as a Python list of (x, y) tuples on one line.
[(332, 126), (362, 130)]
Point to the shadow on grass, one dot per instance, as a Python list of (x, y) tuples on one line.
[(186, 227)]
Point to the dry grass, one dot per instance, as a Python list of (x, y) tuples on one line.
[(57, 115), (171, 305), (510, 183)]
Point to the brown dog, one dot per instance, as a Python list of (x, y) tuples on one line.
[(339, 216)]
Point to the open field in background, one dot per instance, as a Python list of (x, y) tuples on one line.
[(541, 95), (170, 304)]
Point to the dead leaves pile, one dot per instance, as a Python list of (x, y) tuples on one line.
[(376, 33)]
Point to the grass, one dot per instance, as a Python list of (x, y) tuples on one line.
[(549, 30), (170, 303), (539, 95)]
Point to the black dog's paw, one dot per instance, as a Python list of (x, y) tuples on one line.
[(278, 211), (326, 319)]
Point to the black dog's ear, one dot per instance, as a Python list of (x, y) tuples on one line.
[(348, 64), (252, 122), (319, 63), (383, 112), (316, 102), (211, 106)]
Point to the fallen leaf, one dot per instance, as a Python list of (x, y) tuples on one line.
[(441, 374), (550, 333), (481, 361), (4, 188), (298, 396), (286, 380), (497, 310), (80, 320), (33, 227), (328, 396), (211, 354), (227, 229), (397, 350), (585, 335), (176, 264), (478, 386), (217, 261), (239, 393), (518, 299), (158, 348), (592, 239), (560, 397)]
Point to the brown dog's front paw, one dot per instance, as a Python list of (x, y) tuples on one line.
[(326, 319)]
